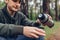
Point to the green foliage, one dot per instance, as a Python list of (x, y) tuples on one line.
[(32, 15), (2, 4), (52, 13)]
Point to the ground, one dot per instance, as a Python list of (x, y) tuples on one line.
[(53, 33)]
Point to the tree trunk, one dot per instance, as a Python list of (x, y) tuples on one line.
[(46, 6), (24, 7), (56, 11)]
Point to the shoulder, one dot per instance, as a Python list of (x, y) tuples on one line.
[(21, 15), (1, 12)]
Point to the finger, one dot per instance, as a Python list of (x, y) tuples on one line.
[(38, 33), (40, 30), (34, 35), (38, 21), (49, 17), (44, 24)]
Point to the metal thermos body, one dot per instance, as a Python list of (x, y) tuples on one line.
[(45, 19)]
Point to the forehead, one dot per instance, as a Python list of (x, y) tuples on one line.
[(14, 0)]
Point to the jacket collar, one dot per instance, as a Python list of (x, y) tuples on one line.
[(7, 15)]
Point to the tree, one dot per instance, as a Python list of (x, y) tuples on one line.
[(46, 6), (24, 7), (56, 10)]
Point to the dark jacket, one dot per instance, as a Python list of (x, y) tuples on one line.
[(13, 26)]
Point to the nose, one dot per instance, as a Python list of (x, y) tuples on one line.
[(18, 4)]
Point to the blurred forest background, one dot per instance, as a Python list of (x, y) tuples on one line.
[(32, 8)]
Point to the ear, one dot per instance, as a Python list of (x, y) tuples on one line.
[(6, 1)]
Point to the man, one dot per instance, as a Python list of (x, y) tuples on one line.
[(14, 23)]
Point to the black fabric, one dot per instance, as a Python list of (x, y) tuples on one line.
[(10, 19)]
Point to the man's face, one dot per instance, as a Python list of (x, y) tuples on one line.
[(13, 5)]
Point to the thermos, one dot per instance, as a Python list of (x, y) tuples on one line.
[(45, 19)]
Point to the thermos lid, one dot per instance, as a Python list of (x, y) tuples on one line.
[(41, 16)]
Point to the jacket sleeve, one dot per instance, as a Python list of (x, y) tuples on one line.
[(26, 22), (10, 29)]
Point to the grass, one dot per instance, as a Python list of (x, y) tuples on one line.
[(52, 30)]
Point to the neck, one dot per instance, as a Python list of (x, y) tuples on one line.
[(10, 12)]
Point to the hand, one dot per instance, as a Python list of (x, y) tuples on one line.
[(50, 18), (33, 32), (38, 21)]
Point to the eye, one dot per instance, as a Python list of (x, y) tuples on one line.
[(14, 0)]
